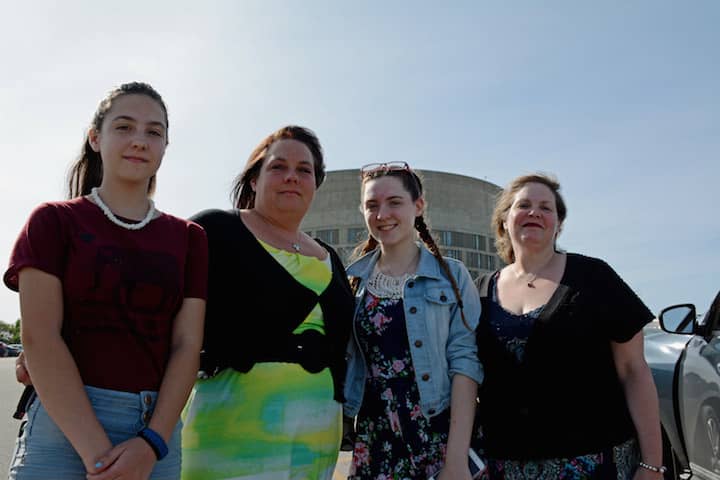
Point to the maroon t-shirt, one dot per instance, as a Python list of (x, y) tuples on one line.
[(121, 288)]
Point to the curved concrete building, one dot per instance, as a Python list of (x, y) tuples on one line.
[(458, 212)]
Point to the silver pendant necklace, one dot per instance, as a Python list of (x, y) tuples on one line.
[(533, 276), (111, 216), (294, 244)]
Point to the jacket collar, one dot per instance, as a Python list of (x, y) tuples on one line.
[(427, 267)]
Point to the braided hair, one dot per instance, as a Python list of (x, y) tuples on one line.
[(413, 185)]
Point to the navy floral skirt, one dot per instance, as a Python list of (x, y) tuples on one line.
[(618, 463), (394, 439)]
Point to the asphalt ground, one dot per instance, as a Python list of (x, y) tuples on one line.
[(10, 391)]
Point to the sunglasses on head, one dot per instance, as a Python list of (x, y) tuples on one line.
[(372, 168)]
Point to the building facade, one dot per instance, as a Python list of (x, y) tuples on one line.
[(459, 209)]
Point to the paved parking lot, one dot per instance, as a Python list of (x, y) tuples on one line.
[(10, 391)]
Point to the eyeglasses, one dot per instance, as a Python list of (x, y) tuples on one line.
[(372, 168)]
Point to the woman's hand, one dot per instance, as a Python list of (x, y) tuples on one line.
[(132, 459), (21, 372), (457, 470)]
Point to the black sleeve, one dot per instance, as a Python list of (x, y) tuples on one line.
[(625, 314), (217, 225)]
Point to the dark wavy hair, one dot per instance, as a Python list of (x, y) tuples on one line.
[(86, 171), (412, 183), (242, 194)]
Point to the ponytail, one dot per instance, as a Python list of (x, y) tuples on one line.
[(86, 172)]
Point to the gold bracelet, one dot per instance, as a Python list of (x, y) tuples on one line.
[(653, 468)]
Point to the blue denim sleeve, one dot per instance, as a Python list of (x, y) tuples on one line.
[(461, 346)]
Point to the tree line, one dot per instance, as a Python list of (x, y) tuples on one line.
[(10, 333)]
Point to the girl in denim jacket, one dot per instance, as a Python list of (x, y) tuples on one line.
[(413, 369)]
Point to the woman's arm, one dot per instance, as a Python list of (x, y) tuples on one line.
[(462, 416), (642, 401), (53, 369), (135, 456)]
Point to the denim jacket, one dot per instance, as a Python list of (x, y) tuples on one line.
[(440, 344)]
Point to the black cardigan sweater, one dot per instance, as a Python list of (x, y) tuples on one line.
[(564, 399), (254, 305)]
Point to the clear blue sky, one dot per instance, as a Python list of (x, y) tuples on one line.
[(619, 99)]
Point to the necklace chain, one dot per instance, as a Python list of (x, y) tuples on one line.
[(533, 276), (114, 219), (294, 244)]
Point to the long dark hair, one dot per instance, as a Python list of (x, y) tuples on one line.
[(86, 171), (242, 194), (412, 183)]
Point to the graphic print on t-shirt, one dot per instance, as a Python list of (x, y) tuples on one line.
[(139, 284)]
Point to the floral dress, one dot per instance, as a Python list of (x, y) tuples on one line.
[(394, 439)]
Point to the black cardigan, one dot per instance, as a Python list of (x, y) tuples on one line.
[(254, 305), (564, 398)]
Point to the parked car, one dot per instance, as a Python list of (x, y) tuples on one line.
[(3, 350), (14, 349), (684, 355)]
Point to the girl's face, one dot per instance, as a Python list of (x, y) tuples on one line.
[(390, 211), (532, 221), (286, 179), (131, 140)]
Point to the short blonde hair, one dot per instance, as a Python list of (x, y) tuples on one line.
[(504, 202)]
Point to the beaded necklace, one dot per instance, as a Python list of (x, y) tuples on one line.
[(111, 216)]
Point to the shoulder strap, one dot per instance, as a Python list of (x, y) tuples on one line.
[(483, 282)]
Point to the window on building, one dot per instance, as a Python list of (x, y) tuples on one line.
[(480, 243), (488, 262), (444, 237), (356, 235), (452, 253), (461, 239), (331, 236), (491, 247), (472, 259)]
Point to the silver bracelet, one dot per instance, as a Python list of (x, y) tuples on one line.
[(653, 468)]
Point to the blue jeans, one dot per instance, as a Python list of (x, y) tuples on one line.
[(43, 452)]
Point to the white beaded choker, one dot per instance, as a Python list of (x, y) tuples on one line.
[(110, 215)]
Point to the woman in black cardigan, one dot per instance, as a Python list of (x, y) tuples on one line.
[(567, 392), (278, 318)]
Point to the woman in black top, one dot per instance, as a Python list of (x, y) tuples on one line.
[(567, 392), (277, 323)]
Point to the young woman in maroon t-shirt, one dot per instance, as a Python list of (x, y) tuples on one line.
[(112, 297)]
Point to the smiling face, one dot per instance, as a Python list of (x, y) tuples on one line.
[(390, 211), (286, 179), (532, 221), (131, 140)]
